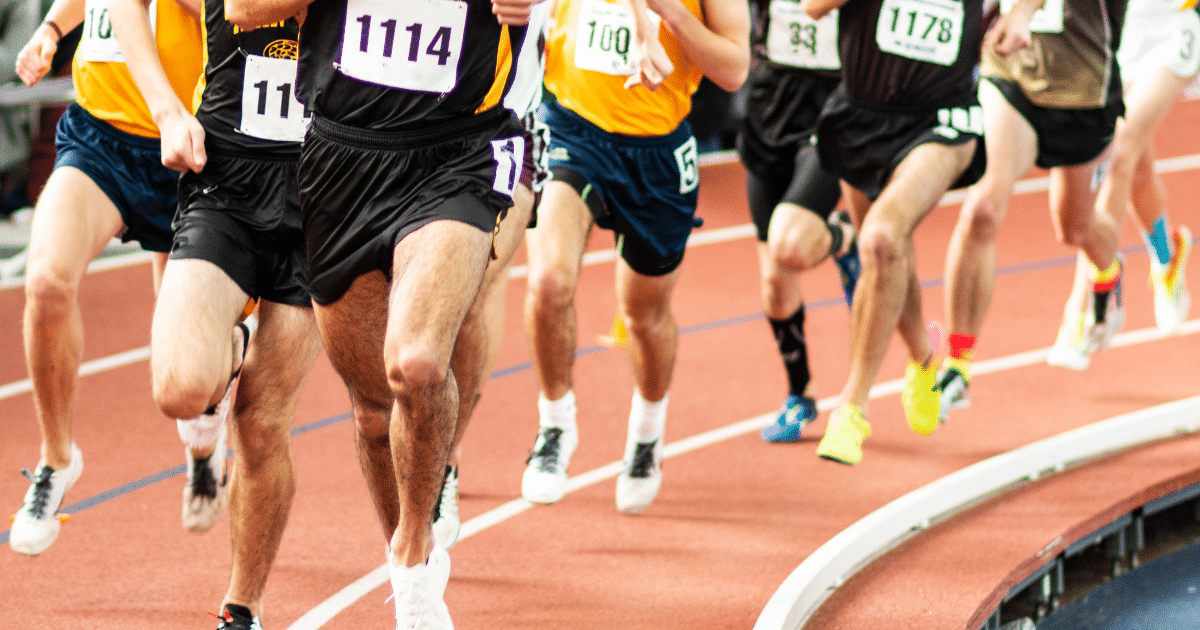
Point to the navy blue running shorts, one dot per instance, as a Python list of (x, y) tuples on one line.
[(647, 185), (128, 168)]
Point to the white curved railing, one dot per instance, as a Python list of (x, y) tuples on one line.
[(834, 562)]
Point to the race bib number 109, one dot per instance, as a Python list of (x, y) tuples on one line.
[(97, 42), (924, 30), (603, 37), (411, 45)]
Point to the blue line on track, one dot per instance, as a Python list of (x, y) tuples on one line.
[(119, 491)]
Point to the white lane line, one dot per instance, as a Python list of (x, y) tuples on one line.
[(100, 264), (91, 367), (328, 609)]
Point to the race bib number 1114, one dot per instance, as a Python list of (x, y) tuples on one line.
[(411, 45)]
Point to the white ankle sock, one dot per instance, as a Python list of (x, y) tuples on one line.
[(557, 413), (647, 419), (199, 433)]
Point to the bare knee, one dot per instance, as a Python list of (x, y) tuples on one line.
[(880, 244), (551, 290), (415, 367), (796, 255), (261, 441), (179, 402), (49, 293), (646, 320)]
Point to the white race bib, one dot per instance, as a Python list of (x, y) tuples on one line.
[(410, 45), (794, 39), (925, 30), (687, 158), (604, 35), (98, 42), (509, 154), (1048, 19), (269, 107)]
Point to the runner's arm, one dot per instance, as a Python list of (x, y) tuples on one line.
[(33, 62), (1010, 33), (719, 45), (248, 14), (649, 57), (515, 12), (181, 135)]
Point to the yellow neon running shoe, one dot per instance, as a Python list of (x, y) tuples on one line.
[(1171, 299), (921, 397), (844, 436)]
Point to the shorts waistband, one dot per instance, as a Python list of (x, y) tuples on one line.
[(958, 100), (673, 139), (104, 127), (408, 139)]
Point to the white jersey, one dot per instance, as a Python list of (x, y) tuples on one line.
[(526, 92)]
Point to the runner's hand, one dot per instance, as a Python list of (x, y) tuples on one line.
[(650, 60), (1010, 33), (33, 62), (514, 12), (182, 143)]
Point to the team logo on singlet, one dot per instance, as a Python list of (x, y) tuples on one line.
[(282, 49)]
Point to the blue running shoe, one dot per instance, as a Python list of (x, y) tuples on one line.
[(797, 412), (848, 264)]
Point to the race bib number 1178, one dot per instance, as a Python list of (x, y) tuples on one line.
[(411, 45), (924, 30)]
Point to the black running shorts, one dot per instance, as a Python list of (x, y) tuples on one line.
[(1066, 137), (863, 143), (243, 215), (362, 191)]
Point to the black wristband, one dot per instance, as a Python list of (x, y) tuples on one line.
[(57, 30)]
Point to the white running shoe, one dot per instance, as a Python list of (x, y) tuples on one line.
[(1172, 302), (420, 593), (1070, 349), (545, 478), (207, 480), (446, 522), (36, 524), (638, 484)]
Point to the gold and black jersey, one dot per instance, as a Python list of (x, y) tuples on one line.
[(1072, 66), (248, 82), (403, 65)]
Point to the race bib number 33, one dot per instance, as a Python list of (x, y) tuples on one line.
[(411, 45), (924, 30), (795, 39)]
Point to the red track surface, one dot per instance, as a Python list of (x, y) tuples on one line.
[(732, 519)]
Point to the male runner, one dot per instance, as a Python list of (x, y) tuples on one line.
[(407, 168), (623, 158), (108, 181), (791, 197), (1052, 96), (1159, 57), (902, 129), (237, 236), (482, 332)]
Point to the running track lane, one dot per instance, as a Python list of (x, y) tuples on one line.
[(731, 522)]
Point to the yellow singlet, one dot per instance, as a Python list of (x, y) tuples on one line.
[(103, 85), (587, 64)]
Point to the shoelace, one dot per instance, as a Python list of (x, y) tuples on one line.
[(642, 465), (41, 491), (947, 378), (443, 502), (547, 455), (203, 482)]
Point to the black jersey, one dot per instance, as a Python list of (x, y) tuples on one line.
[(910, 52), (783, 34), (382, 65), (248, 97)]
